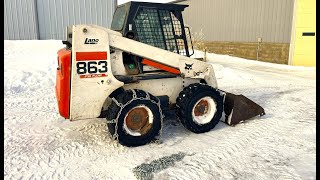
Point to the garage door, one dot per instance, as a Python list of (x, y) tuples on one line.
[(305, 42)]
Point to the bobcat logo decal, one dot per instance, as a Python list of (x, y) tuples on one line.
[(188, 66)]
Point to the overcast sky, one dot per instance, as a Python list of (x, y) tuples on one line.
[(160, 1)]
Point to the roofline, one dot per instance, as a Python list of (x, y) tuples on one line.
[(144, 2), (129, 3), (177, 1)]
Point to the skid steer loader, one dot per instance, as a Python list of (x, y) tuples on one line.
[(131, 73)]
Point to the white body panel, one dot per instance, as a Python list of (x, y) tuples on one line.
[(89, 94), (158, 87), (117, 63)]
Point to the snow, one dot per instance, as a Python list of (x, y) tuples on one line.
[(38, 143)]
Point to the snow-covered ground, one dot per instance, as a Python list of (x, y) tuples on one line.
[(39, 144)]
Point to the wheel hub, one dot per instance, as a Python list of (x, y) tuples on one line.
[(137, 120), (204, 110), (201, 108)]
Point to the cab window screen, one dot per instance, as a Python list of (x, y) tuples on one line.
[(118, 18), (149, 27), (160, 28)]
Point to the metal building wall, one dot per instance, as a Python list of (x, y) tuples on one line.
[(55, 15), (47, 19), (241, 20), (20, 19)]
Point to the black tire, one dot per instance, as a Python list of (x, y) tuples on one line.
[(113, 110), (187, 99)]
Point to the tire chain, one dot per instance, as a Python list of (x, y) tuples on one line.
[(121, 106)]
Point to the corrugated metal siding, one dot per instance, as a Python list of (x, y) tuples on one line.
[(241, 20), (20, 19), (55, 15), (47, 19)]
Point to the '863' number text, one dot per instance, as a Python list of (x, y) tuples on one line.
[(92, 67)]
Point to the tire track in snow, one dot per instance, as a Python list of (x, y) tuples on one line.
[(219, 156), (51, 161), (41, 145), (239, 140)]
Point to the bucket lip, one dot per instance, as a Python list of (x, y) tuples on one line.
[(239, 108)]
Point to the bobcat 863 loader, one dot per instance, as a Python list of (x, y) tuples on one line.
[(131, 73)]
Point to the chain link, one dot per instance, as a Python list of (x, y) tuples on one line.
[(134, 97), (111, 121), (161, 114), (117, 103)]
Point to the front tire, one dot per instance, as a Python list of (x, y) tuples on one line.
[(138, 121), (199, 107)]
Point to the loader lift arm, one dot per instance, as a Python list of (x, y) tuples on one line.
[(167, 59), (182, 65)]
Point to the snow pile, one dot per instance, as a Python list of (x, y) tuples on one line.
[(39, 144)]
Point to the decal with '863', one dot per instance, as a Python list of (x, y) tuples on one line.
[(91, 64)]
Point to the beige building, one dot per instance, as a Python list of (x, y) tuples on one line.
[(268, 30)]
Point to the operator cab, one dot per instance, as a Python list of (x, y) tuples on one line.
[(159, 25), (155, 24)]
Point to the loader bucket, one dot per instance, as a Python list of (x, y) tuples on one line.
[(239, 108)]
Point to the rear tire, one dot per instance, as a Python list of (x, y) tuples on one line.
[(199, 107), (133, 128)]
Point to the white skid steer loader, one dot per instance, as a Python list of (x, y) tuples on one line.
[(141, 67)]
